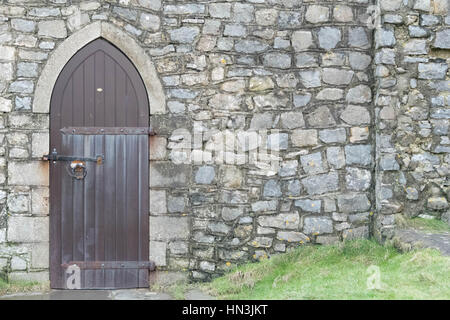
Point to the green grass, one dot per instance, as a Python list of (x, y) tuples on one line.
[(21, 287), (429, 225), (177, 290), (338, 272)]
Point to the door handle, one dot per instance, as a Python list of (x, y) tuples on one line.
[(54, 156)]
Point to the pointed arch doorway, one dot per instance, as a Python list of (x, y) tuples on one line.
[(99, 118)]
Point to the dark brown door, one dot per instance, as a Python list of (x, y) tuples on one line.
[(99, 219)]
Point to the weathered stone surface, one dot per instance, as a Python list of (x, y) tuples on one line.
[(260, 84), (266, 17), (329, 37), (358, 179), (308, 205), (277, 60), (303, 138), (358, 154), (218, 228), (321, 118), (389, 162), (166, 174), (312, 163), (27, 229), (359, 61), (333, 135), (359, 94), (205, 175), (150, 21), (250, 46), (220, 10), (289, 19), (415, 47), (342, 13), (158, 251), (317, 14), (310, 78), (184, 34), (442, 39), (225, 101), (355, 115), (165, 228), (357, 37), (176, 204), (5, 105), (281, 221), (292, 120), (243, 12), (231, 213), (301, 100), (28, 173), (337, 76), (317, 225), (331, 94), (277, 141), (263, 206), (304, 60), (322, 183), (432, 70), (349, 203), (292, 236), (356, 233), (234, 30), (272, 189), (52, 28), (190, 8), (417, 32), (293, 188), (22, 86), (437, 203), (301, 40), (23, 25), (385, 38), (40, 201)]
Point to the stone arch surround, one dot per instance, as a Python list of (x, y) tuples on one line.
[(79, 39)]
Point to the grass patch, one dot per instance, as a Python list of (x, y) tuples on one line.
[(429, 225), (21, 287), (177, 290), (338, 272)]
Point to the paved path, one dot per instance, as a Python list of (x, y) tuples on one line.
[(129, 294), (423, 239)]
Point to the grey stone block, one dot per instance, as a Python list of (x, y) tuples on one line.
[(350, 203), (280, 221), (163, 228), (272, 189), (329, 37), (167, 174), (317, 225), (205, 175), (320, 184), (358, 154)]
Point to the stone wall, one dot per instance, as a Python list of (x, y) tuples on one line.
[(297, 76), (412, 109), (285, 86)]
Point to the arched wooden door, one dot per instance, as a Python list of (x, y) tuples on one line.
[(99, 172)]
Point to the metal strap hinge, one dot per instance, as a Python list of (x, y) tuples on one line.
[(150, 265)]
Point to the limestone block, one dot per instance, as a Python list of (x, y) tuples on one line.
[(28, 229)]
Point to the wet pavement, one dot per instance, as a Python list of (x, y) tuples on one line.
[(128, 294)]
